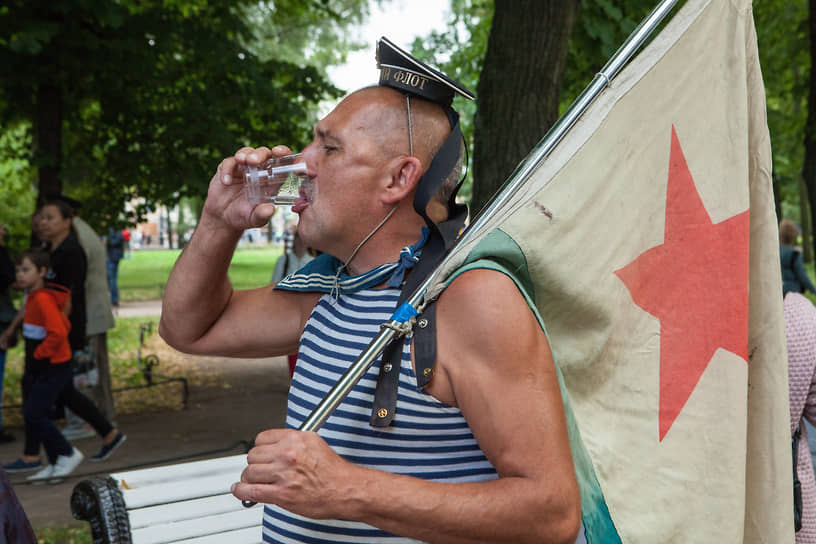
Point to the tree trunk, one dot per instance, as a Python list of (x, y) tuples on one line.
[(49, 139), (809, 168), (519, 86), (804, 213), (169, 232)]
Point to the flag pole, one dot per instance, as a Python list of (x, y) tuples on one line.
[(519, 177)]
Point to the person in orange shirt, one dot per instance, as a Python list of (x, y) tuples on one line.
[(47, 360)]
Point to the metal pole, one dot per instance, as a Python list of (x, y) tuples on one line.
[(349, 379), (545, 146)]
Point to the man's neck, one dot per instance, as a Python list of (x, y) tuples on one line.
[(381, 249)]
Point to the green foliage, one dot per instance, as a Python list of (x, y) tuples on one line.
[(316, 33), (783, 37), (17, 193), (459, 52), (602, 27), (153, 94)]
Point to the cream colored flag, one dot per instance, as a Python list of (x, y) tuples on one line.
[(650, 238)]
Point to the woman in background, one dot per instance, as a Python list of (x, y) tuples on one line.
[(800, 331), (794, 276), (69, 267)]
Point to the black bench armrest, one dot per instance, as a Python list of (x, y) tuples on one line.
[(99, 502)]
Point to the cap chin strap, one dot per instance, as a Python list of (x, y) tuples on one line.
[(410, 125), (440, 168)]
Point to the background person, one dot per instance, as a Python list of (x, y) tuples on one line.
[(126, 240), (16, 527), (47, 362), (115, 246), (69, 266), (800, 332), (293, 259), (794, 276), (485, 454), (91, 369)]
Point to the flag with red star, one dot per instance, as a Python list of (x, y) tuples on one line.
[(650, 238)]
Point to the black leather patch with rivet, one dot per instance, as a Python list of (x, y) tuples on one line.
[(385, 395), (425, 346)]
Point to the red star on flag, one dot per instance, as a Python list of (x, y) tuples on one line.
[(696, 284)]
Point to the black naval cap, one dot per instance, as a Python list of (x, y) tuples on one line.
[(401, 71), (406, 74)]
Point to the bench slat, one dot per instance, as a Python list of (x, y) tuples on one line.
[(176, 491), (190, 509), (197, 528), (135, 479)]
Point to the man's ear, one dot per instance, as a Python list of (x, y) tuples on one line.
[(405, 176)]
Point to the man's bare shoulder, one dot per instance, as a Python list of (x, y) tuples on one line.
[(486, 334), (484, 300)]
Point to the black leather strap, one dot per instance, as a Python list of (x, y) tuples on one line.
[(440, 168), (385, 394)]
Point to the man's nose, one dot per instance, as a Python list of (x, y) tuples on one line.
[(310, 157)]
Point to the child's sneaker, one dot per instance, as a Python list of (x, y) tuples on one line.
[(22, 466), (108, 449), (41, 476), (66, 464)]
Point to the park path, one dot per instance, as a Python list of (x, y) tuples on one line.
[(250, 397), (139, 308)]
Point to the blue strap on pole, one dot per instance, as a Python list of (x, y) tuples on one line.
[(404, 313)]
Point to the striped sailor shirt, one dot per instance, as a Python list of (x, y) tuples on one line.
[(428, 439)]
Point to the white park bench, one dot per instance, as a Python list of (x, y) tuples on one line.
[(180, 504)]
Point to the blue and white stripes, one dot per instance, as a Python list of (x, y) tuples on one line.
[(321, 273), (327, 274), (427, 439)]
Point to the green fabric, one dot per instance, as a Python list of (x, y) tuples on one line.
[(499, 252)]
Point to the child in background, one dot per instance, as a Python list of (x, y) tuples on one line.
[(47, 361)]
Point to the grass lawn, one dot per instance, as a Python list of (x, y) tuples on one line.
[(64, 535), (144, 274)]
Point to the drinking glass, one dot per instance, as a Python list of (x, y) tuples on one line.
[(276, 180)]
